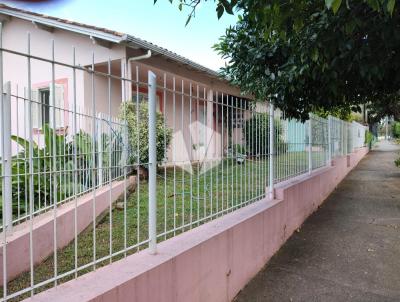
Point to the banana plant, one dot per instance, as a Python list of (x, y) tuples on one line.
[(52, 169)]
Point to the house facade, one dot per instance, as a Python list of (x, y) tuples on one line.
[(39, 59)]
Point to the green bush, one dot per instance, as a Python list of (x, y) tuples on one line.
[(138, 133), (396, 129), (256, 133)]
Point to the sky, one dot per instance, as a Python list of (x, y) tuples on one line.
[(162, 24)]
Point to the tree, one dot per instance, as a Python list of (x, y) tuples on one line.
[(314, 55), (305, 57), (388, 105)]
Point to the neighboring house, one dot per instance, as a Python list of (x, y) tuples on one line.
[(197, 134)]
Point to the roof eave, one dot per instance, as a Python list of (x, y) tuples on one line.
[(132, 41), (61, 25)]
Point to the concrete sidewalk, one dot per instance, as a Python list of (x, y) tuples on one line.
[(349, 250)]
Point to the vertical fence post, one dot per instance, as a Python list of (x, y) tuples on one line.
[(100, 149), (271, 152), (309, 145), (329, 140), (152, 164), (6, 154)]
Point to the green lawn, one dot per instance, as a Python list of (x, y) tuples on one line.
[(183, 197)]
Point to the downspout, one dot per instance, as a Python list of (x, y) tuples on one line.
[(142, 57), (132, 59)]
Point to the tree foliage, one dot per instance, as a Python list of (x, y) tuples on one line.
[(222, 6), (308, 55), (396, 129), (382, 106)]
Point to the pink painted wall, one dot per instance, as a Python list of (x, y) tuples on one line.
[(216, 260), (15, 70)]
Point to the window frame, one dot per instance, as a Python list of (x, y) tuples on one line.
[(63, 82)]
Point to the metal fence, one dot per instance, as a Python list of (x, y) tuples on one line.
[(54, 150), (196, 154)]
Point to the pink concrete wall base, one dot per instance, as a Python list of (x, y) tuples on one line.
[(18, 259), (214, 261)]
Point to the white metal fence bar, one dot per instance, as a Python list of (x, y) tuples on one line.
[(152, 164), (271, 151), (6, 155)]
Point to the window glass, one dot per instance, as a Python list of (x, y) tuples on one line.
[(44, 113), (43, 108)]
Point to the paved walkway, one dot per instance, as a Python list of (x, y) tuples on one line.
[(349, 250)]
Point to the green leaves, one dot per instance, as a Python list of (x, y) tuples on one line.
[(313, 57), (311, 54), (390, 6), (334, 4), (220, 10), (374, 4), (222, 6)]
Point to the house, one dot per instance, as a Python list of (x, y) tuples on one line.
[(187, 93)]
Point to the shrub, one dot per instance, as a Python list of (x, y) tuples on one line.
[(138, 133), (396, 129), (256, 133)]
